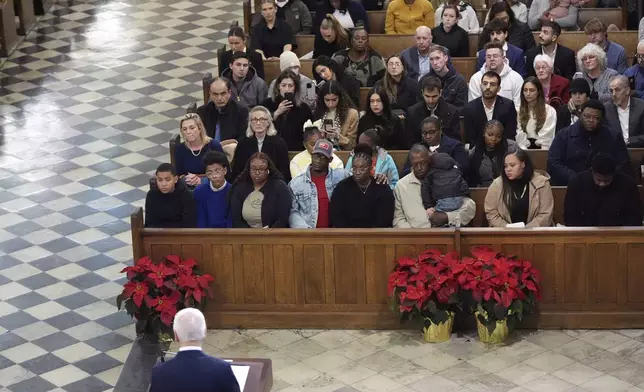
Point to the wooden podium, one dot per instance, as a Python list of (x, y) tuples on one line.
[(260, 375)]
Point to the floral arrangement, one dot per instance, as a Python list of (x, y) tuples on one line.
[(498, 287), (155, 292), (425, 286)]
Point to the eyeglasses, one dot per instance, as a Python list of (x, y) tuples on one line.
[(541, 68), (258, 170), (397, 65), (258, 120), (588, 58)]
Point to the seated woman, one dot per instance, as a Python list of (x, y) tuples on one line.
[(536, 119), (301, 161), (325, 70), (237, 42), (519, 195), (519, 33), (450, 35), (379, 116), (272, 35), (212, 197), (347, 12), (330, 38), (360, 60), (556, 89), (358, 201), (591, 60), (289, 112), (260, 198), (401, 90), (169, 203), (337, 118), (562, 12), (194, 145), (384, 163), (468, 20), (486, 158), (261, 136)]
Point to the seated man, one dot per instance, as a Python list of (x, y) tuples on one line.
[(313, 189), (569, 114), (169, 203), (597, 34), (247, 88), (574, 147), (489, 106), (289, 60), (416, 58), (454, 86), (563, 57), (436, 142), (212, 197), (404, 16), (635, 74), (511, 81), (625, 114), (192, 370), (432, 105), (300, 163), (498, 31), (409, 211), (602, 196), (223, 118)]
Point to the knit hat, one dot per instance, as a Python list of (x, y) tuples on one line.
[(580, 85), (288, 59), (323, 147)]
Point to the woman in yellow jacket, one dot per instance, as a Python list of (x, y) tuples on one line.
[(405, 16), (519, 195)]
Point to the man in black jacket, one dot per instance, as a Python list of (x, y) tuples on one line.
[(223, 118), (169, 203), (489, 106), (433, 105), (454, 86), (603, 196), (564, 58)]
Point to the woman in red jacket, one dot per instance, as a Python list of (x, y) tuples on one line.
[(556, 89)]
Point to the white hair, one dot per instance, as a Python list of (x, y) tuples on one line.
[(271, 127), (190, 325), (592, 50), (640, 44), (623, 80), (543, 58)]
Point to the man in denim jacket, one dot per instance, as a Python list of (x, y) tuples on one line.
[(312, 189)]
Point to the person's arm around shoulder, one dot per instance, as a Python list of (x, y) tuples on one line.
[(400, 220), (492, 204), (545, 208), (283, 206), (385, 210)]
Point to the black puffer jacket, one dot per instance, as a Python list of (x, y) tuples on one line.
[(444, 179)]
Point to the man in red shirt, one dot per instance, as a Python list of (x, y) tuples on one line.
[(312, 189)]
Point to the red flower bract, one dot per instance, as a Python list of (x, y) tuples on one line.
[(159, 272), (136, 290)]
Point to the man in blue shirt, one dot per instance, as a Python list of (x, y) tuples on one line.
[(212, 197), (597, 34), (635, 74)]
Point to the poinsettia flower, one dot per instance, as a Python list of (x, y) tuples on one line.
[(136, 290), (396, 278), (182, 266), (205, 280), (186, 281), (139, 267), (159, 272)]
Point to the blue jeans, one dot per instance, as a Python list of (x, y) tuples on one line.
[(449, 204)]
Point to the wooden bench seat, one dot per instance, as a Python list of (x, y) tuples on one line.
[(337, 278)]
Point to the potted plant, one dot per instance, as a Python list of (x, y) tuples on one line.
[(154, 293), (499, 289), (426, 287)]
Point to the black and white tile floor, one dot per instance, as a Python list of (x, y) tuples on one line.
[(88, 103)]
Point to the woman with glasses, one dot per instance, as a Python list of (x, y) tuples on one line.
[(261, 136), (189, 154), (360, 60), (450, 35), (591, 60), (359, 201), (259, 197), (401, 90), (556, 89)]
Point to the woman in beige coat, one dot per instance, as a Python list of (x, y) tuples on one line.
[(519, 195)]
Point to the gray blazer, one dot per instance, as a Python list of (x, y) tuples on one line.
[(635, 121)]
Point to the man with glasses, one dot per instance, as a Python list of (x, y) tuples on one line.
[(223, 118), (574, 147), (496, 61), (635, 74), (498, 32), (211, 197)]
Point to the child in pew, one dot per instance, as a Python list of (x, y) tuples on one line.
[(212, 197), (169, 203), (443, 188)]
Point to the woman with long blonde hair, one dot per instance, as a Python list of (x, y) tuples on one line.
[(331, 37), (189, 154), (536, 119)]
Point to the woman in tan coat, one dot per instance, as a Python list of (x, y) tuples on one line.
[(519, 195), (338, 117)]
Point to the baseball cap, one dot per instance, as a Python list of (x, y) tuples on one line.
[(323, 147)]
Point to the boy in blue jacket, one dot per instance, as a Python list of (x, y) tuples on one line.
[(212, 197)]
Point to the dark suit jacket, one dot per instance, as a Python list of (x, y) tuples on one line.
[(515, 58), (564, 61), (475, 118), (635, 121), (448, 115), (233, 119), (193, 371)]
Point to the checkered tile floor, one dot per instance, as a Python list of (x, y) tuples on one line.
[(88, 103)]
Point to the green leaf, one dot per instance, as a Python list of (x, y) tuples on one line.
[(119, 301)]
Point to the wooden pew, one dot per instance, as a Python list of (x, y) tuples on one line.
[(8, 35), (337, 278), (387, 45)]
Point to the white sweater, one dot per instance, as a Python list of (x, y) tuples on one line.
[(468, 20), (511, 83), (546, 134)]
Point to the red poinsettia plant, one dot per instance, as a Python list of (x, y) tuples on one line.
[(425, 286), (498, 287), (155, 292)]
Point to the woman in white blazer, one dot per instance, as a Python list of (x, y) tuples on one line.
[(536, 120)]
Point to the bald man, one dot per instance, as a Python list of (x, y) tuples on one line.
[(416, 58), (625, 113), (635, 74)]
